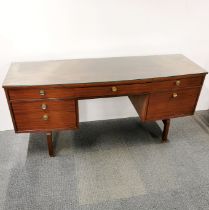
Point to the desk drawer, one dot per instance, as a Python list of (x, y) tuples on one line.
[(45, 115), (40, 93), (177, 84), (172, 104), (116, 90)]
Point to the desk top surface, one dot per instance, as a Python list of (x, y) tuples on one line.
[(96, 70)]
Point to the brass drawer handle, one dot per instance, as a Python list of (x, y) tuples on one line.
[(44, 106), (114, 89), (42, 92), (178, 82), (175, 95), (45, 117)]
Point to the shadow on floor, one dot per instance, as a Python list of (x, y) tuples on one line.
[(105, 133)]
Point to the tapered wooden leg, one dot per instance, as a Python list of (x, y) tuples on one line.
[(50, 144), (165, 130)]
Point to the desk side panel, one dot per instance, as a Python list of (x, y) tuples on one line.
[(10, 108), (140, 104)]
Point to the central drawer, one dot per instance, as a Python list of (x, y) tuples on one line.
[(44, 115), (114, 90)]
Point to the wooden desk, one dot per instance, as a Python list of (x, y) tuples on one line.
[(43, 96)]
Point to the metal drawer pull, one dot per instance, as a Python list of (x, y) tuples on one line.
[(114, 89), (175, 95), (42, 92), (45, 117), (44, 106), (178, 82)]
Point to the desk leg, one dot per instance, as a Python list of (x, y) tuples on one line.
[(165, 130), (50, 144)]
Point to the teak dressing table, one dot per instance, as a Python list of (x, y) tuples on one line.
[(43, 96)]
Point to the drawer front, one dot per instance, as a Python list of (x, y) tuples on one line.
[(112, 90), (172, 104), (177, 84), (45, 115), (40, 93)]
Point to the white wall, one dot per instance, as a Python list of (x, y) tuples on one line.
[(62, 29)]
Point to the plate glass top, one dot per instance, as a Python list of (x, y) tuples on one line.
[(96, 70)]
